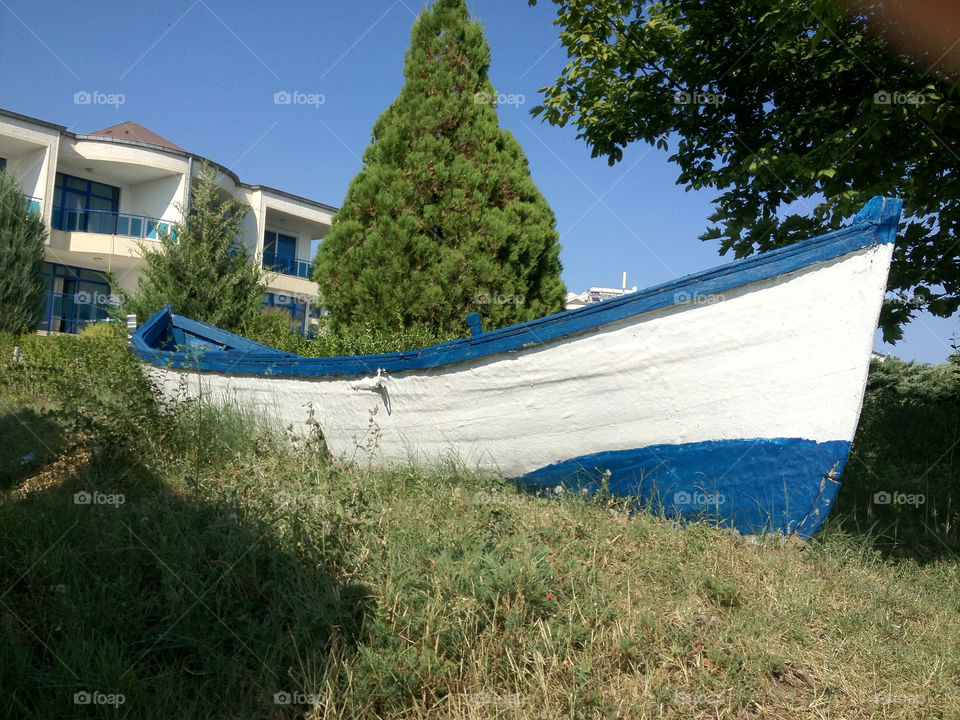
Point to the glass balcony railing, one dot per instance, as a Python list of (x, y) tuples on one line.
[(287, 265), (34, 204), (110, 223)]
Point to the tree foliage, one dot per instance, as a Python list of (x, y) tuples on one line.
[(795, 111), (22, 236), (201, 268), (443, 218)]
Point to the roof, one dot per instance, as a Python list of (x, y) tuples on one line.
[(28, 118), (134, 131)]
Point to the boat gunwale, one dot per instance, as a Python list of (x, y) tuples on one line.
[(875, 224)]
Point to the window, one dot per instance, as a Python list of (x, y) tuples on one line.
[(84, 205), (285, 245), (280, 254), (3, 164), (75, 298)]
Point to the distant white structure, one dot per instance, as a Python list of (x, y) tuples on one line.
[(596, 294)]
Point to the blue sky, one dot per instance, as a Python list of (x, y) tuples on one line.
[(203, 74)]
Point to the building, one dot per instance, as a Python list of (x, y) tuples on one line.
[(102, 193), (575, 301)]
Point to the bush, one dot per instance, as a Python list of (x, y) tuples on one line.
[(94, 383), (272, 328), (908, 442), (369, 340)]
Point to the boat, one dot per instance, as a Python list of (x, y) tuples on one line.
[(730, 395)]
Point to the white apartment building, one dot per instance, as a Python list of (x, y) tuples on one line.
[(101, 193)]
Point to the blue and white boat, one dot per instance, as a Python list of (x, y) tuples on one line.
[(730, 394)]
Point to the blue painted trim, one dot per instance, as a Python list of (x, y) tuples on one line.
[(787, 485), (875, 224), (474, 323)]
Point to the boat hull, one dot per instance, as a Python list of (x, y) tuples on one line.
[(749, 396)]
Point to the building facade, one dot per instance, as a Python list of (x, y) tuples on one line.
[(102, 193)]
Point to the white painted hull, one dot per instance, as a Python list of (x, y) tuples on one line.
[(785, 357)]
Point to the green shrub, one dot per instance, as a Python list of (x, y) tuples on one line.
[(908, 446), (93, 383), (272, 328)]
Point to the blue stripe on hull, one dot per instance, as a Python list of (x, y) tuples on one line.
[(786, 485)]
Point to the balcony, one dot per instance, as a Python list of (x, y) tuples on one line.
[(33, 204), (106, 222), (287, 265)]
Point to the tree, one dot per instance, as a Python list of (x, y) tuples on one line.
[(202, 268), (792, 109), (22, 237), (443, 218)]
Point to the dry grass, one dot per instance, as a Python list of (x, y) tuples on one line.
[(240, 571)]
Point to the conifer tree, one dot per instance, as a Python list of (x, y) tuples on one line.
[(201, 268), (444, 218), (22, 236)]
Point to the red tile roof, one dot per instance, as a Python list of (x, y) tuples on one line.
[(133, 131)]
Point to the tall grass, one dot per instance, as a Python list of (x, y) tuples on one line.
[(224, 570)]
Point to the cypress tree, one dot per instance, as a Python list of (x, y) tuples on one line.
[(444, 218), (202, 268), (22, 236)]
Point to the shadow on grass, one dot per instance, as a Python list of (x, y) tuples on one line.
[(903, 511), (28, 440), (901, 485), (120, 592)]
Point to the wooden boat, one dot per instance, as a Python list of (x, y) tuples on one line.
[(730, 394)]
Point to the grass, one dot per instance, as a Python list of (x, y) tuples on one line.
[(238, 573)]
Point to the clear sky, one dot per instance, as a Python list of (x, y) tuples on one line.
[(204, 73)]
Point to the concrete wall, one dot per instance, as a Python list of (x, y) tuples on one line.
[(157, 198)]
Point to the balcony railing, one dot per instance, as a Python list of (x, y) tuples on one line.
[(287, 265), (106, 222), (34, 204)]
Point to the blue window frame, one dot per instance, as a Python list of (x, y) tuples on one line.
[(280, 255), (284, 245), (84, 205), (297, 309), (75, 298)]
